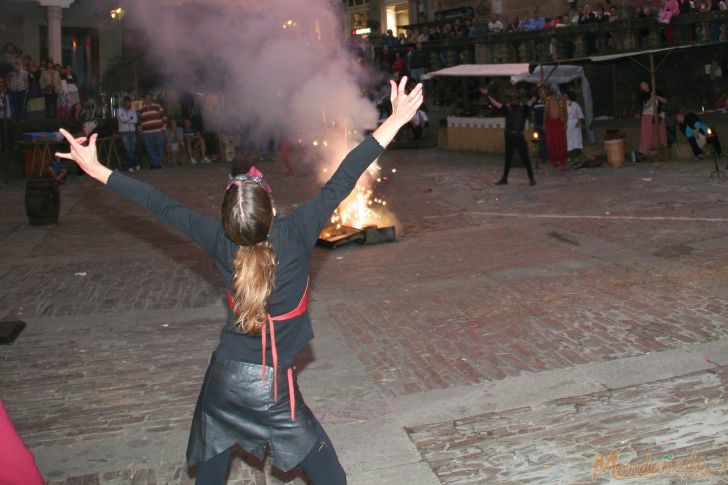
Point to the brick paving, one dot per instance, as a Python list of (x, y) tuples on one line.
[(437, 339), (463, 298), (570, 440)]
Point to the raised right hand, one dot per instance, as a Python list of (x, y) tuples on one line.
[(85, 156)]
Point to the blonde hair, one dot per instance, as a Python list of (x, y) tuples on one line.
[(247, 218), (254, 267)]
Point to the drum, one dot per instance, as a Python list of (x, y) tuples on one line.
[(42, 201)]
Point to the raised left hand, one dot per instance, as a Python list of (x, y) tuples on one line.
[(404, 106)]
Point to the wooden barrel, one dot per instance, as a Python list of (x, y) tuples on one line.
[(42, 201)]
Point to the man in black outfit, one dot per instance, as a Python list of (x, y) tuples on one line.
[(516, 114)]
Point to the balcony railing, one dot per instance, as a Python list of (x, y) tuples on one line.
[(575, 42)]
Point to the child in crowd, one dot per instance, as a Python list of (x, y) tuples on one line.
[(57, 170), (194, 140)]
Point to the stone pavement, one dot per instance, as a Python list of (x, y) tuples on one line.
[(511, 334)]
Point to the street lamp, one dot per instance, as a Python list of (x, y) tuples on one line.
[(117, 13)]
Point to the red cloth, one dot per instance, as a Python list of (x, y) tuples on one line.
[(17, 465), (647, 134), (556, 141), (296, 312)]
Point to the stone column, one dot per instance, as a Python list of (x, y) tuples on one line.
[(54, 14)]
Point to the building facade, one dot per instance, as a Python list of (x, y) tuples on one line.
[(78, 33)]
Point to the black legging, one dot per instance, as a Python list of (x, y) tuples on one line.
[(517, 143), (51, 106), (321, 465)]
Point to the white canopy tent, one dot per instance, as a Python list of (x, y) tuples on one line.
[(479, 70), (558, 74), (622, 55)]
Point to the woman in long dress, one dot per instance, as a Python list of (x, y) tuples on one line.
[(653, 133)]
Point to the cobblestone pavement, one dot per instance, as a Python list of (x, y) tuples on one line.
[(674, 431), (485, 285)]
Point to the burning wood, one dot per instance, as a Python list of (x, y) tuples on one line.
[(346, 234)]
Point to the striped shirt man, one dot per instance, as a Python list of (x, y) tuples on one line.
[(152, 118)]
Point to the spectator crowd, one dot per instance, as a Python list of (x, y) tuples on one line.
[(31, 89), (404, 53)]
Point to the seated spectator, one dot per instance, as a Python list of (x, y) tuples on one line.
[(411, 36), (174, 140), (398, 66), (57, 171), (495, 24), (536, 21), (515, 25), (696, 132), (601, 15), (194, 140), (552, 23), (434, 33), (670, 8), (383, 103), (78, 117), (473, 28), (613, 13), (446, 32), (418, 123), (419, 62), (457, 27), (589, 17), (644, 13), (577, 15), (568, 40), (422, 36), (714, 27)]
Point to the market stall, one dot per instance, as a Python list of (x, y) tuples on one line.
[(486, 134)]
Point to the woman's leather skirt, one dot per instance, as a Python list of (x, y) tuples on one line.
[(236, 406)]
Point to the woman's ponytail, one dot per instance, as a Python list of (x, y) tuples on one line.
[(247, 219), (253, 269)]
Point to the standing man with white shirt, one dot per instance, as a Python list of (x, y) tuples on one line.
[(574, 122), (495, 25), (127, 118)]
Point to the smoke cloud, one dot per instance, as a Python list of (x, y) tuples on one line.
[(279, 67)]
